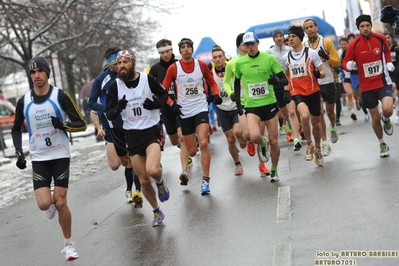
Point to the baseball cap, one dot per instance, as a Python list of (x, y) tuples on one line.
[(249, 37)]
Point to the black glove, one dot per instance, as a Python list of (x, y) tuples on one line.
[(176, 109), (121, 104), (240, 108), (323, 54), (273, 80), (210, 98), (152, 105), (217, 100), (287, 96), (57, 123), (21, 162), (316, 73), (234, 98)]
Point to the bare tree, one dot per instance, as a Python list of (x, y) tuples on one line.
[(77, 30)]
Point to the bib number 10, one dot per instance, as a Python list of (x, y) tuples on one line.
[(137, 111)]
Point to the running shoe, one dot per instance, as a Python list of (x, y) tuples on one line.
[(325, 149), (388, 128), (367, 118), (158, 218), (289, 137), (51, 211), (309, 153), (238, 170), (281, 131), (184, 178), (265, 157), (264, 149), (297, 145), (163, 191), (353, 116), (70, 251), (137, 199), (318, 157), (384, 150), (190, 162), (263, 169), (274, 177), (129, 196), (250, 148), (205, 188), (338, 122), (333, 134)]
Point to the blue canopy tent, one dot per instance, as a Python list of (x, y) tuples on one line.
[(204, 50), (266, 30)]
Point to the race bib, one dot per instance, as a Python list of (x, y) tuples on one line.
[(48, 140), (222, 92), (298, 70), (372, 69), (192, 89), (256, 90)]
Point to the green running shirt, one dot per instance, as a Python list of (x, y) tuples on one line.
[(255, 72)]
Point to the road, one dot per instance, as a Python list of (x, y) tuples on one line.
[(349, 206)]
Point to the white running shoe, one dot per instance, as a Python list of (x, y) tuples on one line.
[(70, 251), (129, 196), (325, 149), (51, 211)]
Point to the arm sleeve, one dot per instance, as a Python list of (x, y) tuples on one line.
[(158, 90), (112, 101), (334, 60), (94, 94), (282, 78), (237, 87), (209, 78), (77, 122), (19, 118), (228, 77)]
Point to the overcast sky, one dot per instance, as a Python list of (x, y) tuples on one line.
[(223, 20)]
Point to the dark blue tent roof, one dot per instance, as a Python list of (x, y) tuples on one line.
[(204, 50), (266, 30)]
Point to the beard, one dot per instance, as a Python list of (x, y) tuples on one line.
[(128, 75)]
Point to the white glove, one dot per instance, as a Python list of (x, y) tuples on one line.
[(390, 67), (351, 65)]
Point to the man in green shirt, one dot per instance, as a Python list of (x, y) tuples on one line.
[(260, 71)]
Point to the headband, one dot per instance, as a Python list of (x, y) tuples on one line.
[(127, 54), (111, 59), (164, 48)]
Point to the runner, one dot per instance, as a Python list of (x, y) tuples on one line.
[(370, 54), (260, 71), (143, 95), (284, 99), (330, 58), (244, 139), (188, 75), (112, 131), (303, 66), (170, 119)]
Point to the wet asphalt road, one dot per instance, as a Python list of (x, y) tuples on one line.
[(350, 204)]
